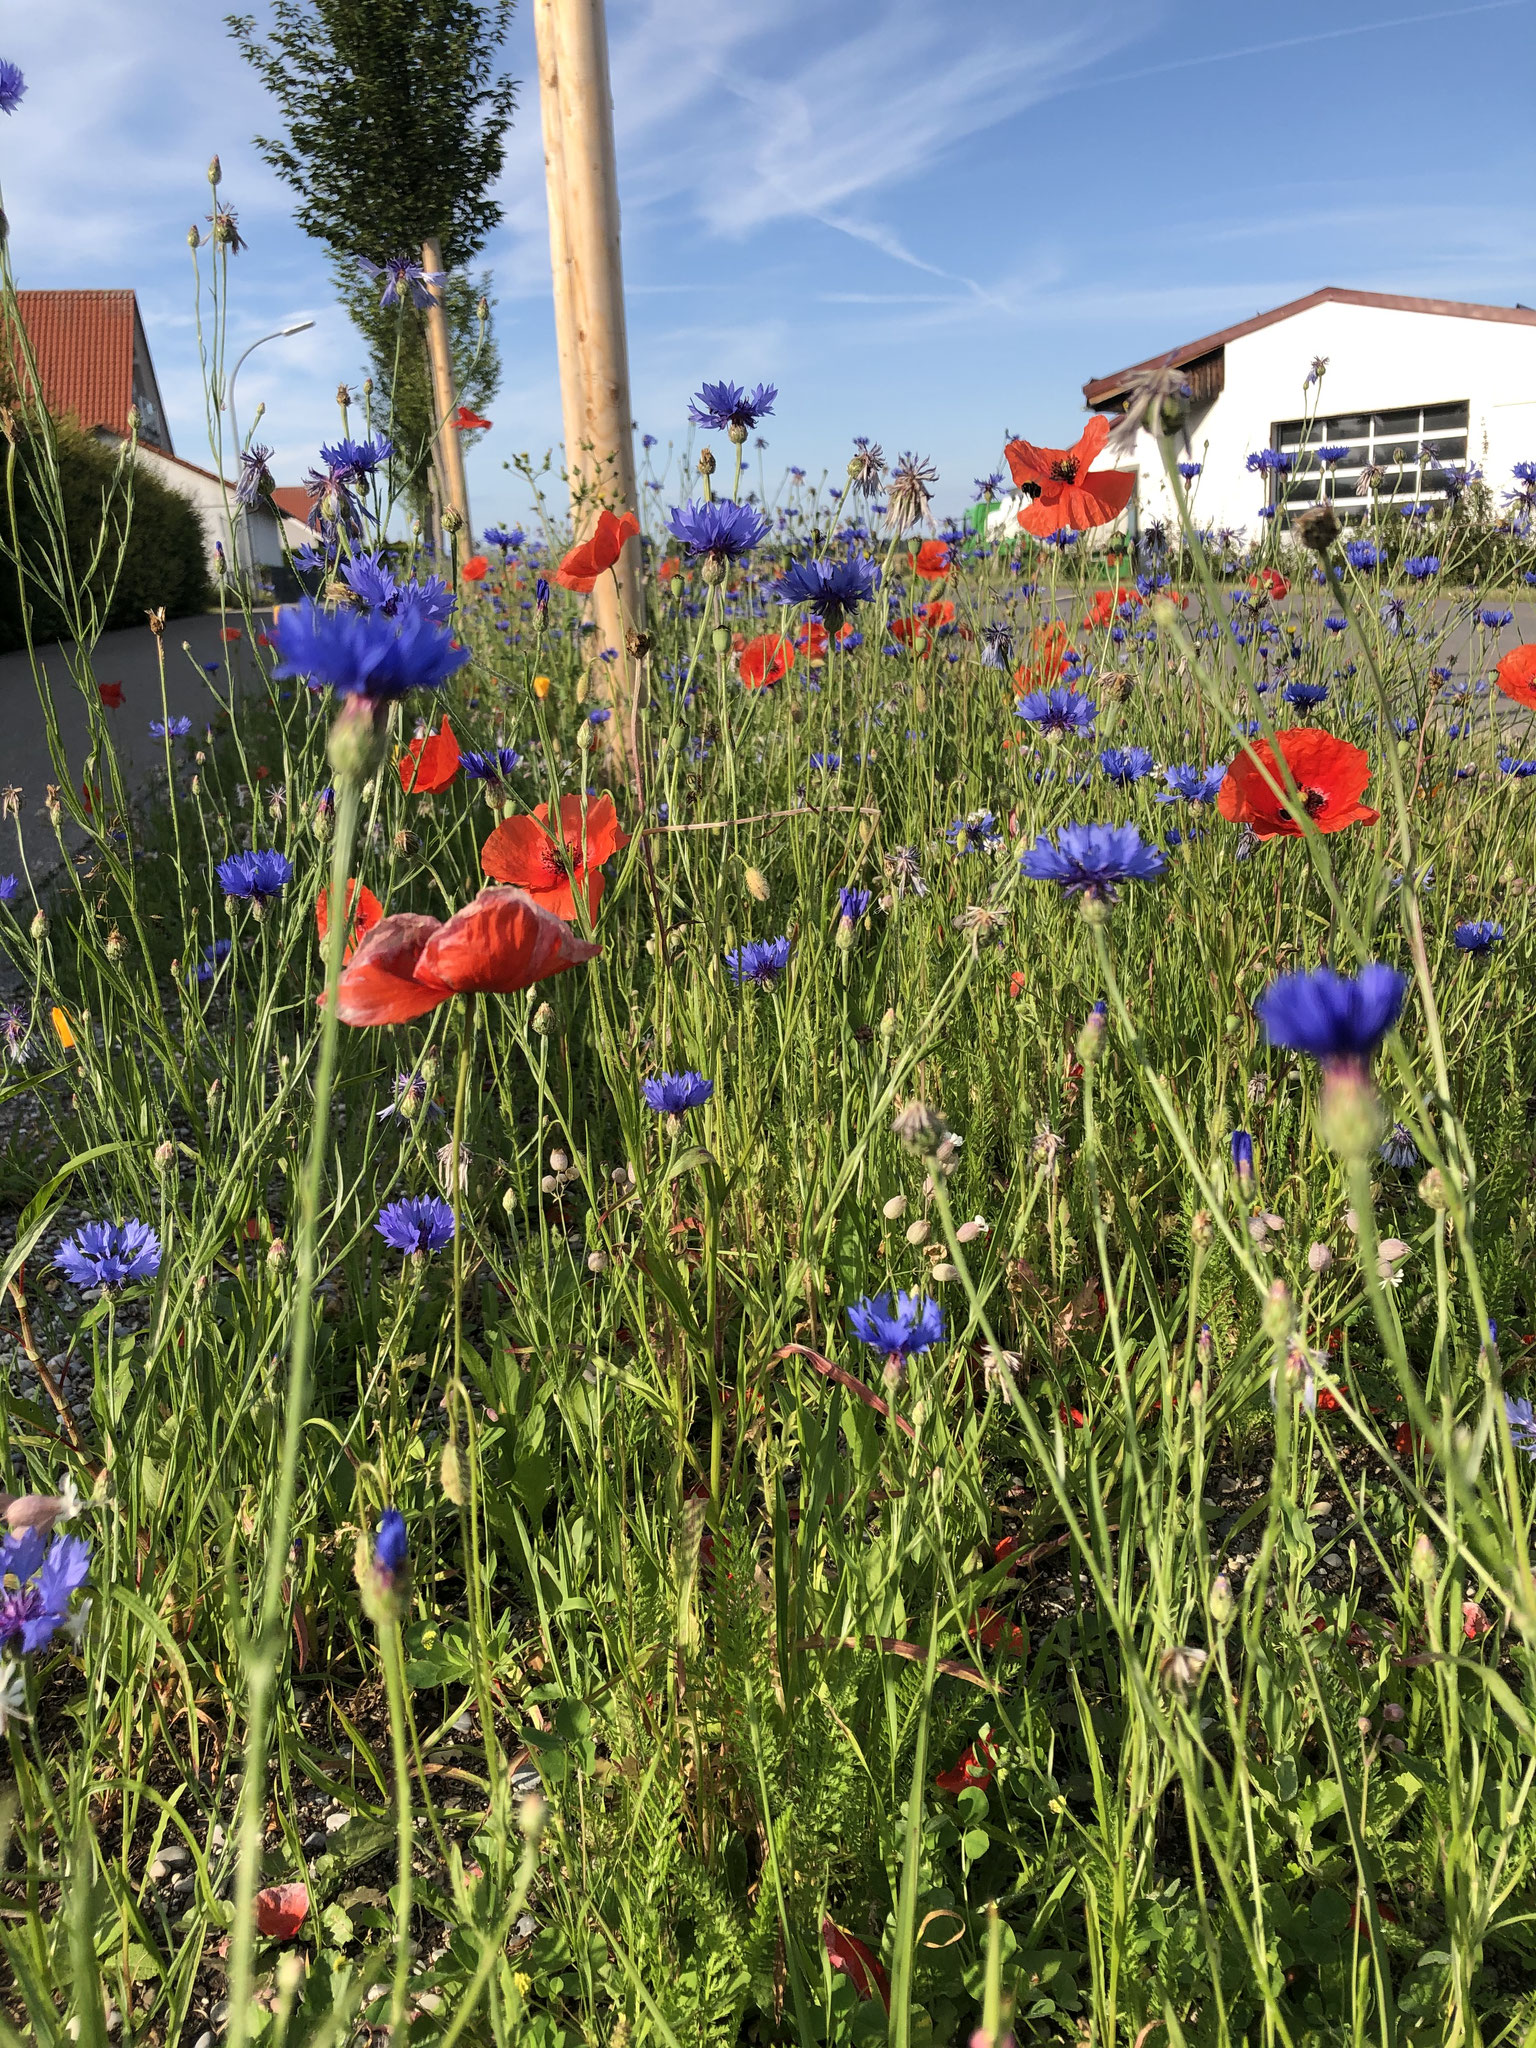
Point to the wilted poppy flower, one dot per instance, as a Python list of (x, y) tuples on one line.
[(1069, 497), (469, 422), (430, 763), (111, 694), (765, 661), (974, 1768), (847, 1954), (1516, 674), (281, 1910), (524, 852), (586, 562), (500, 943), (364, 912), (474, 569), (1329, 773), (932, 559)]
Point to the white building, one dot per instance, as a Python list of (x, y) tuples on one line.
[(1412, 388), (93, 364)]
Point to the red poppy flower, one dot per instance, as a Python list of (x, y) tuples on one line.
[(281, 1910), (524, 852), (430, 763), (1474, 1622), (932, 559), (1516, 674), (469, 422), (474, 569), (1018, 981), (263, 640), (1329, 773), (1068, 495), (848, 1955), (587, 561), (500, 943), (111, 694), (1048, 656), (231, 633), (364, 911), (1272, 581), (992, 1630), (974, 1768), (765, 661), (1106, 604), (667, 569)]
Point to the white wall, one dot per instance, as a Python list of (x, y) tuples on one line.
[(1378, 360), (264, 528)]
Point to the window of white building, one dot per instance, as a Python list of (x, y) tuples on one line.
[(1412, 447)]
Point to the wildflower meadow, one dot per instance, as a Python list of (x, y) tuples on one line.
[(816, 1329)]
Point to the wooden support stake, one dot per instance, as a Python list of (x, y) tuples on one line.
[(596, 274), (551, 119), (445, 397)]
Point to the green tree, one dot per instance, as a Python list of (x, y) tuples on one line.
[(395, 119)]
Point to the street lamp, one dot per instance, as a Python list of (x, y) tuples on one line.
[(241, 537), (279, 334)]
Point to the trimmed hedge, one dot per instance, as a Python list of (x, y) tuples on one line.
[(164, 559)]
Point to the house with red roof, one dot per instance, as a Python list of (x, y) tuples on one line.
[(93, 365)]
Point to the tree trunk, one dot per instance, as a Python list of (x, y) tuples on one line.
[(445, 399)]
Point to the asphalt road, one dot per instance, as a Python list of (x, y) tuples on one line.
[(127, 659)]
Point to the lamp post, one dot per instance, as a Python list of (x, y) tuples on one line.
[(241, 537)]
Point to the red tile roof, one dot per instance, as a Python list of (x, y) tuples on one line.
[(1098, 389), (295, 501), (83, 343)]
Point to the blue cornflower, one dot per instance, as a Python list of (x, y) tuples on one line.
[(830, 590), (1334, 624), (852, 904), (493, 766), (1510, 765), (1189, 471), (503, 537), (759, 961), (1419, 568), (599, 714), (672, 1094), (1242, 1157), (1361, 554), (109, 1254), (1267, 461), (827, 763), (718, 529), (400, 273), (1305, 696), (1191, 785), (1394, 611), (254, 482), (349, 463), (1522, 1424), (169, 728), (213, 958), (370, 578), (976, 832), (1058, 710), (900, 1324), (1093, 859), (10, 886), (996, 642), (1063, 537), (1339, 1021), (541, 594), (1335, 451), (46, 1576), (1494, 616), (365, 654), (391, 1546), (13, 86), (1478, 936), (724, 406), (1126, 764), (1399, 1150), (417, 1224), (257, 876)]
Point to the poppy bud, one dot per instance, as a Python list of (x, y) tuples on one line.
[(720, 639), (1222, 1604), (1425, 1564), (194, 236), (677, 586)]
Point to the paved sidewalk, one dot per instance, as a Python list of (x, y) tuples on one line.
[(128, 659)]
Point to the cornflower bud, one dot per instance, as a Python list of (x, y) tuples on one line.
[(1279, 1318), (164, 1154), (1202, 1230), (277, 1255), (1423, 1560), (544, 1020), (453, 520), (1223, 1605), (215, 170), (39, 925), (116, 945), (706, 462), (1432, 1190)]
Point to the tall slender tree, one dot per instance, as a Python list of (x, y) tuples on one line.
[(394, 123)]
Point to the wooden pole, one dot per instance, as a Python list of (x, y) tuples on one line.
[(552, 121), (445, 398), (596, 272)]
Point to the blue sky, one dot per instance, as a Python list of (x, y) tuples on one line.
[(928, 223)]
